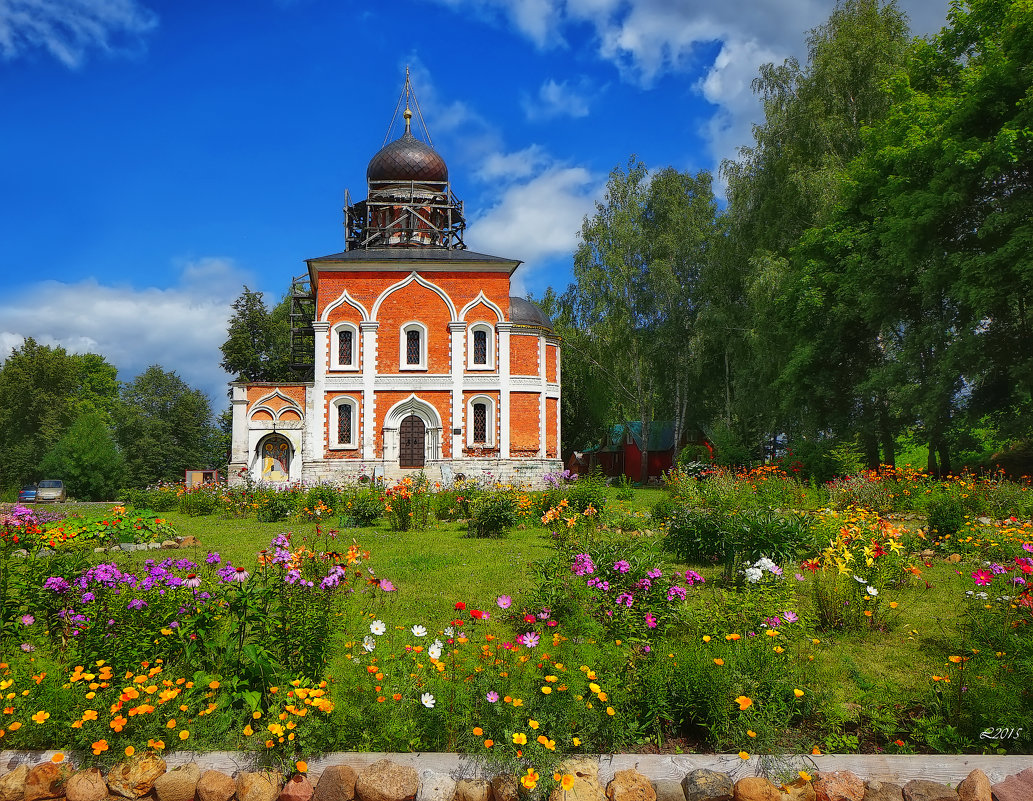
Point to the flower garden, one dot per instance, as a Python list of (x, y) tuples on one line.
[(732, 612)]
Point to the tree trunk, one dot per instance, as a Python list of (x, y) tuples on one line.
[(644, 472)]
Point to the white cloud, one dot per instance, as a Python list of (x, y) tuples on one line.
[(67, 29), (645, 39), (538, 218), (559, 100), (512, 166), (180, 328)]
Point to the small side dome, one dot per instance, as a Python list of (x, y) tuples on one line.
[(407, 159), (523, 312)]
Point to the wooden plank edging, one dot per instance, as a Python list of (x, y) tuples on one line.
[(899, 768)]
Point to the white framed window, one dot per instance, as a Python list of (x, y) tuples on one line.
[(344, 347), (480, 347), (344, 423), (412, 347), (480, 422)]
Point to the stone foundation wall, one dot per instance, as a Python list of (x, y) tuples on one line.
[(520, 472)]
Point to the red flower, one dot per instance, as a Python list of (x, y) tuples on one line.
[(529, 618), (812, 565), (460, 605)]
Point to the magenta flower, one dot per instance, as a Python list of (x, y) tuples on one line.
[(386, 585), (621, 566), (650, 620), (492, 697), (982, 577), (503, 601), (28, 620), (529, 640)]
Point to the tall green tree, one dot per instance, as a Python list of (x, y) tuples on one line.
[(634, 298), (257, 346), (166, 428), (43, 390), (87, 460), (778, 373)]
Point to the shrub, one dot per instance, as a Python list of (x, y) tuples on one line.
[(663, 510), (272, 507), (326, 497), (946, 514), (201, 500), (492, 513), (624, 488), (588, 490), (700, 536), (454, 503), (366, 506)]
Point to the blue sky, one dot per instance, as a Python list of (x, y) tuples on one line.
[(157, 155)]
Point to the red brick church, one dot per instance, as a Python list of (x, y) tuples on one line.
[(422, 359)]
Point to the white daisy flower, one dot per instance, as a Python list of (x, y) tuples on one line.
[(377, 627), (434, 652), (419, 631), (369, 643), (427, 700), (871, 590)]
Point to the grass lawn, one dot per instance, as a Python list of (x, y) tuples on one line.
[(434, 569)]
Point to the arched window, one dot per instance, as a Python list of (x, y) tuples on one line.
[(412, 350), (480, 422), (345, 347), (481, 347), (344, 423)]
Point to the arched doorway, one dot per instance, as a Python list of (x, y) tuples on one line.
[(275, 459), (412, 442)]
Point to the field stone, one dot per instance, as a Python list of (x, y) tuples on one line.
[(385, 780), (756, 788), (839, 785), (585, 771), (883, 791), (46, 781), (504, 787), (87, 785), (630, 785), (299, 788), (336, 784), (135, 777), (215, 785), (668, 790), (436, 787), (473, 790), (261, 786), (12, 785), (975, 787), (925, 790), (1015, 788), (179, 784), (800, 790), (707, 785)]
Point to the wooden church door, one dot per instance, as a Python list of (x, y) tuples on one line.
[(411, 442)]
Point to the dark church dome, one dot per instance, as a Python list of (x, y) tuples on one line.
[(407, 159), (523, 312)]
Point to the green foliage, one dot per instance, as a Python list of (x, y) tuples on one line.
[(43, 391), (86, 459), (455, 502), (365, 506), (701, 536), (588, 490), (946, 514), (408, 503), (623, 488), (492, 513), (202, 499), (165, 429), (257, 346), (729, 448)]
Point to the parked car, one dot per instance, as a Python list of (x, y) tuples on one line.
[(51, 490), (27, 494)]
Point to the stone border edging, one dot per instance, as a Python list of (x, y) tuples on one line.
[(898, 768)]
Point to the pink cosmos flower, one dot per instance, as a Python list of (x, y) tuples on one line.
[(650, 620), (529, 640), (503, 601), (982, 577)]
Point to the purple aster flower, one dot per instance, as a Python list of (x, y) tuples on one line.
[(56, 584), (137, 603), (88, 597), (213, 558)]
